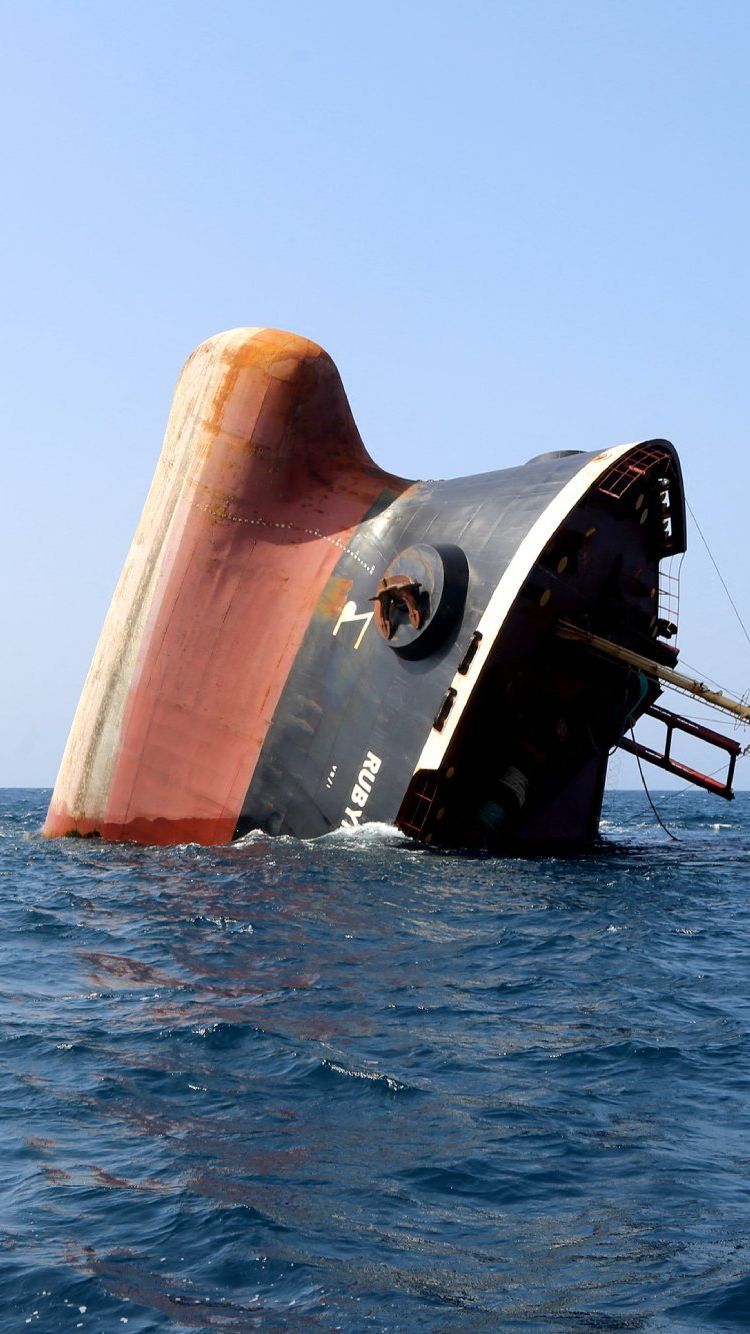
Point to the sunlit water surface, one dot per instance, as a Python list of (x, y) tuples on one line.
[(356, 1084)]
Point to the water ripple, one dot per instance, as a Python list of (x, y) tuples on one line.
[(359, 1084)]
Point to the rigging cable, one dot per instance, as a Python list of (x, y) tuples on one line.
[(659, 820), (721, 577)]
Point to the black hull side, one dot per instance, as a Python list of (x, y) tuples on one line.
[(354, 708)]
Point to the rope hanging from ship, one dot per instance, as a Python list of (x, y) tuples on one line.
[(649, 798), (712, 558)]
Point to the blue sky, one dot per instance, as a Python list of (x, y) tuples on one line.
[(515, 227)]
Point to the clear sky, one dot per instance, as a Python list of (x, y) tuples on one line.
[(516, 226)]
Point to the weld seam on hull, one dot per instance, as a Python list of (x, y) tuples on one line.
[(292, 527)]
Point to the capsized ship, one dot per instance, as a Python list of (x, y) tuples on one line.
[(300, 641)]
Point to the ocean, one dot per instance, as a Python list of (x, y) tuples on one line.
[(357, 1084)]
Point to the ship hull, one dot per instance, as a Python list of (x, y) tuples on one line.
[(246, 679)]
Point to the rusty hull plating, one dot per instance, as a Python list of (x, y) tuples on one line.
[(300, 640), (262, 479)]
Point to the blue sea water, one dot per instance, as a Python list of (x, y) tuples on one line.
[(355, 1084)]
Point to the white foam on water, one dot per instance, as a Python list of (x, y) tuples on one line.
[(365, 837), (371, 1076)]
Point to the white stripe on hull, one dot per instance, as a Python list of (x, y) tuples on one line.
[(506, 592)]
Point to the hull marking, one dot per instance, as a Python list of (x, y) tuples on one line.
[(361, 790), (349, 614)]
